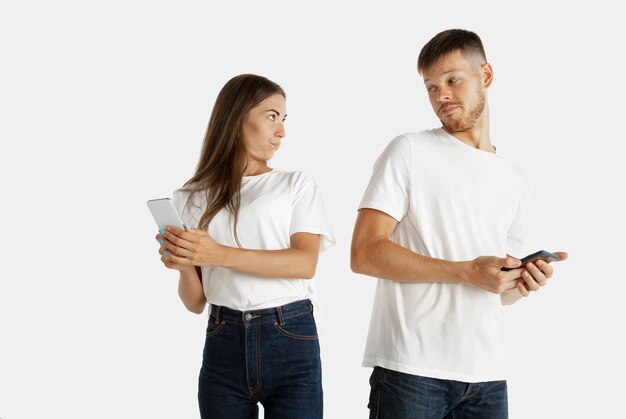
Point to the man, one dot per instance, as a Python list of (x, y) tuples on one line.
[(443, 213)]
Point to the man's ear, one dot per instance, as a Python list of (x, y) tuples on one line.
[(487, 74)]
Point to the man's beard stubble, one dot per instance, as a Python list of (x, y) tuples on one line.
[(466, 123)]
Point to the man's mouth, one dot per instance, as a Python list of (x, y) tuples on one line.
[(448, 109)]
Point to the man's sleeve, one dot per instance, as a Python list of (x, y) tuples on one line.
[(389, 187)]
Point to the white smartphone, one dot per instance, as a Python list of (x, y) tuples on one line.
[(165, 214)]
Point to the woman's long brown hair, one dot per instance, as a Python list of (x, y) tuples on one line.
[(223, 158)]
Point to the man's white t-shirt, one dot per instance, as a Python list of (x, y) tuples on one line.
[(452, 202), (274, 206)]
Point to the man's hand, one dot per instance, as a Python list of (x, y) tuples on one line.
[(535, 275), (485, 273)]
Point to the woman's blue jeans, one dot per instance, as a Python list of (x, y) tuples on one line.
[(268, 356)]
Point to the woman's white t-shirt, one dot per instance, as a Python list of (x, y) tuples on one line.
[(274, 206)]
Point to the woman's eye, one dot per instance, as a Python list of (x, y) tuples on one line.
[(271, 117)]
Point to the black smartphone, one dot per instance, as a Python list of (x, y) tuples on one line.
[(542, 254)]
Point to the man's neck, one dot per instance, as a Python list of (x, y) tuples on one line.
[(477, 136)]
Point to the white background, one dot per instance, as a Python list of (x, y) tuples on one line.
[(103, 105)]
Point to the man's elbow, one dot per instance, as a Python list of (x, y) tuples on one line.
[(308, 274), (358, 260)]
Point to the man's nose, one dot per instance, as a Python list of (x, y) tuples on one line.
[(444, 94)]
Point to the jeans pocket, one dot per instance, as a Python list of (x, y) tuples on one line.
[(299, 327), (214, 327)]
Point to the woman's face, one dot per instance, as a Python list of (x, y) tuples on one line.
[(263, 129)]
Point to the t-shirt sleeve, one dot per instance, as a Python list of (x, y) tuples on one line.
[(309, 212), (519, 231), (389, 187), (179, 199)]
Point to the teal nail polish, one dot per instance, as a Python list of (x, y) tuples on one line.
[(165, 252), (161, 241), (162, 231)]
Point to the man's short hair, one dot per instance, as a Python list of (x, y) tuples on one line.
[(449, 41)]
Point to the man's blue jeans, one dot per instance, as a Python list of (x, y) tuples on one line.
[(396, 395), (269, 356)]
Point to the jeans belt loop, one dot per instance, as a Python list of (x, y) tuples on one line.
[(281, 319), (217, 314)]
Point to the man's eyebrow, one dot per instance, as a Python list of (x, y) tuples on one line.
[(447, 72)]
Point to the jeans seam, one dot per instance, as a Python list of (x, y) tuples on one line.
[(299, 313), (217, 329), (258, 362), (380, 393), (468, 393), (247, 365), (291, 335)]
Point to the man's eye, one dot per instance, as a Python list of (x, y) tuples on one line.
[(431, 88), (452, 81)]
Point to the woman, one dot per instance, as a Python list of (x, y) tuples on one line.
[(258, 235)]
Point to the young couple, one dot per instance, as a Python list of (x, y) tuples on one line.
[(442, 214)]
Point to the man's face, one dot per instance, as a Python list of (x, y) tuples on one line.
[(456, 89)]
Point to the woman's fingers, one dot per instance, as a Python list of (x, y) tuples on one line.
[(169, 264), (169, 249), (178, 260), (179, 238), (173, 256)]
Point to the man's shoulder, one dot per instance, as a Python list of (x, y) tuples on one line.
[(427, 136), (416, 140)]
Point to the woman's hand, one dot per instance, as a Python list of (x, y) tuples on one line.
[(188, 248), (166, 256), (190, 287)]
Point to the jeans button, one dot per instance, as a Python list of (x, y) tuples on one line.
[(248, 317)]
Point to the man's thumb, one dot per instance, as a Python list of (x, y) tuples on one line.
[(510, 262)]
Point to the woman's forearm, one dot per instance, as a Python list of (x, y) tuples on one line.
[(285, 263), (190, 290), (196, 248)]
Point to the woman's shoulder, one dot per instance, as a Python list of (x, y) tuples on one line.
[(188, 196), (295, 180), (184, 192), (294, 176)]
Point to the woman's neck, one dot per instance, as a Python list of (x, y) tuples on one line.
[(256, 167)]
